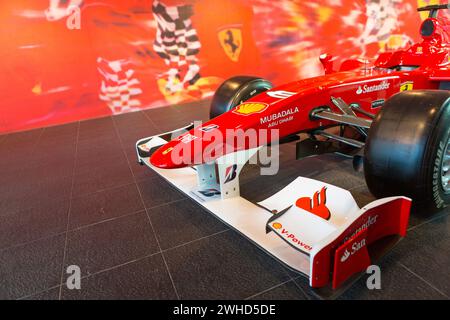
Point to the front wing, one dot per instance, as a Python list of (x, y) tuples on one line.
[(329, 240)]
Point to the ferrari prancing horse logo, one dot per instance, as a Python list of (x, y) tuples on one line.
[(231, 41)]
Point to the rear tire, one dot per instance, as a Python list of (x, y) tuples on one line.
[(406, 149), (236, 90)]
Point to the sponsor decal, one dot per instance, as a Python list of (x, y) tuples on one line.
[(370, 221), (187, 138), (384, 85), (437, 175), (290, 237), (144, 147), (209, 128), (355, 248), (406, 86), (249, 108), (210, 192), (231, 41), (277, 225), (378, 103), (316, 205), (167, 151), (230, 173), (280, 117), (419, 50), (345, 255), (280, 94)]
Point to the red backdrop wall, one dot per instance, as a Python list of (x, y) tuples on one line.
[(66, 60)]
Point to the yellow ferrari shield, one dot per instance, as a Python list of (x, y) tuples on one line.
[(231, 41), (406, 86)]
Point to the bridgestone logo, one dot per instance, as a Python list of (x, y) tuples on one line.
[(379, 87)]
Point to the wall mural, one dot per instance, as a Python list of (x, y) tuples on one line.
[(66, 60)]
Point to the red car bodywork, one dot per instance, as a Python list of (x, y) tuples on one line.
[(424, 65)]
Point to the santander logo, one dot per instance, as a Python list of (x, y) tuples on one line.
[(316, 205), (384, 85), (345, 255), (355, 248)]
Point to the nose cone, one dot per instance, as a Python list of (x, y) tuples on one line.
[(164, 158)]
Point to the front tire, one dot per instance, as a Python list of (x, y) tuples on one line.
[(236, 90), (408, 149)]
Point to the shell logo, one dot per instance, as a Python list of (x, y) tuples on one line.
[(277, 225), (249, 108)]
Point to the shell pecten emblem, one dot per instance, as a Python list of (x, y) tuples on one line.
[(249, 108), (277, 225)]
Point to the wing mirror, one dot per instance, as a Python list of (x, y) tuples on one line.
[(327, 61)]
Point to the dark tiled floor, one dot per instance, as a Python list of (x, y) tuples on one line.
[(222, 266), (74, 194), (147, 278)]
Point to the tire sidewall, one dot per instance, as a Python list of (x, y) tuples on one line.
[(437, 151), (248, 91), (405, 149), (244, 88)]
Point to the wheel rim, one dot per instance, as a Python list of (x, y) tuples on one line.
[(445, 169)]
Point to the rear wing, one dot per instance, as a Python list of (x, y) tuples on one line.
[(434, 9)]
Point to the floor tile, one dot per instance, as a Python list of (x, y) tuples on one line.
[(14, 147), (96, 127), (181, 222), (49, 164), (224, 266), (302, 282), (51, 294), (397, 283), (2, 138), (61, 136), (426, 252), (28, 191), (134, 126), (286, 291), (155, 114), (95, 155), (110, 243), (140, 172), (103, 176), (103, 205), (418, 217), (40, 221), (144, 279), (174, 123), (31, 268), (157, 191)]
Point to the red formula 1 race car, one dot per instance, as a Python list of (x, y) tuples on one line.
[(393, 114)]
